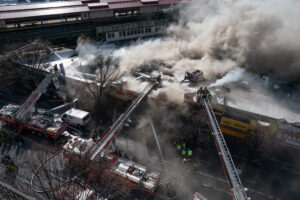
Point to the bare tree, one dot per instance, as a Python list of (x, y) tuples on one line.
[(106, 69), (65, 175)]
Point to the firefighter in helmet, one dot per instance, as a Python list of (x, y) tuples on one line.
[(9, 163)]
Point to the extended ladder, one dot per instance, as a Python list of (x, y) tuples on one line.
[(237, 188), (34, 96), (115, 128)]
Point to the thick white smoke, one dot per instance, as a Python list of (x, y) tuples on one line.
[(232, 75), (217, 35)]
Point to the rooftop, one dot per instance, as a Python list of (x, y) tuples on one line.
[(68, 7), (35, 6), (42, 12), (260, 100), (77, 113)]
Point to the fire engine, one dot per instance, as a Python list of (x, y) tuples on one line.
[(138, 176), (24, 117)]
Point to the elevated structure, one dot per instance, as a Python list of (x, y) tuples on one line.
[(106, 20), (236, 185)]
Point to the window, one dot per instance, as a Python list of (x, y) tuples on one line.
[(142, 31), (147, 30), (86, 117), (120, 34), (124, 33), (64, 117), (135, 32), (138, 31), (110, 35)]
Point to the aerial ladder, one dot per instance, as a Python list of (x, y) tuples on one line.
[(25, 110), (238, 191), (27, 106), (106, 138)]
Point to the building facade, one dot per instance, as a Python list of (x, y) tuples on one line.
[(107, 20)]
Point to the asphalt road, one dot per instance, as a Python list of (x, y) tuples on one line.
[(202, 175)]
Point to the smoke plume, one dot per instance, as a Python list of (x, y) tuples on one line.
[(233, 75), (216, 35)]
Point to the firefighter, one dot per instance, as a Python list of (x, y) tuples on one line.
[(2, 138), (183, 153), (183, 144), (158, 78), (55, 68), (199, 92), (206, 92), (5, 138), (8, 138), (6, 160), (190, 153), (179, 147), (9, 163), (95, 134)]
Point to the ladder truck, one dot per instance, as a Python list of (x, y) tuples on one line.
[(238, 191), (28, 105), (21, 116), (111, 132)]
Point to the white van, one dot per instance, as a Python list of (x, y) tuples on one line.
[(76, 117)]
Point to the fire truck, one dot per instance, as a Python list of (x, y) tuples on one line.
[(24, 118), (138, 176)]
